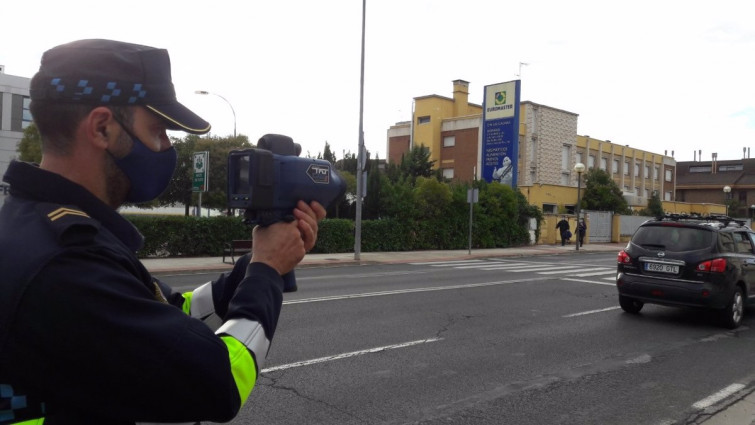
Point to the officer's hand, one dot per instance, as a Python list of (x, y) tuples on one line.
[(279, 245), (307, 217)]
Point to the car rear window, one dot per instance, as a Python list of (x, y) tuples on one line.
[(673, 237)]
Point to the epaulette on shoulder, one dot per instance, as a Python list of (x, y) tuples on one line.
[(70, 224)]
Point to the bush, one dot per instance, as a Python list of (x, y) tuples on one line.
[(430, 215)]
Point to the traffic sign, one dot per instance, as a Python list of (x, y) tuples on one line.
[(201, 171)]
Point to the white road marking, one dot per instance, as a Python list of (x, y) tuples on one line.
[(408, 291), (589, 281), (562, 270), (352, 276), (351, 354), (583, 313), (596, 273), (445, 263), (720, 395), (534, 269)]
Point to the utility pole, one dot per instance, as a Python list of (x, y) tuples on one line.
[(360, 154)]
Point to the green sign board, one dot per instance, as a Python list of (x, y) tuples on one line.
[(201, 172)]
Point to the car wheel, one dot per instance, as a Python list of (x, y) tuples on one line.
[(630, 305), (731, 316)]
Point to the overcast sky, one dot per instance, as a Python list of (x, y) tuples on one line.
[(660, 75)]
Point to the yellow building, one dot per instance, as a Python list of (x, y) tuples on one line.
[(549, 148)]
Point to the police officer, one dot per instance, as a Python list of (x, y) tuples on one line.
[(87, 336)]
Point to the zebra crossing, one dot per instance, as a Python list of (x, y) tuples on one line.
[(514, 266)]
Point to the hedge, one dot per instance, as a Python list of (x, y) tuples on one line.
[(172, 236)]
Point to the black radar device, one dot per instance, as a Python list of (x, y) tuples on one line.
[(269, 180)]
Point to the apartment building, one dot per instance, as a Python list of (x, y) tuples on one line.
[(549, 148), (14, 118), (729, 182)]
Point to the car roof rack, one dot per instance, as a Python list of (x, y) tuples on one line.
[(721, 219)]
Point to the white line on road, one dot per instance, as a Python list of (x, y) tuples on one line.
[(534, 269), (445, 263), (351, 354), (408, 291), (720, 395), (353, 276), (563, 269), (589, 281), (597, 273), (591, 312)]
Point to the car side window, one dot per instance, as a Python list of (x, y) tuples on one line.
[(727, 242), (743, 242), (751, 238)]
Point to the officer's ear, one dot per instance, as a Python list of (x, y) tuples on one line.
[(100, 127)]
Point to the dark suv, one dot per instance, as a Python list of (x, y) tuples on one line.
[(689, 262)]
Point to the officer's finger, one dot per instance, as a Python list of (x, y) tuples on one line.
[(308, 234), (305, 213)]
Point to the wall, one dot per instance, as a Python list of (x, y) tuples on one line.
[(10, 85)]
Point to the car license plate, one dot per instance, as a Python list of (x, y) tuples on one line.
[(661, 268)]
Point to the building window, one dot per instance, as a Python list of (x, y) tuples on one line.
[(626, 168), (565, 156), (735, 167), (564, 179), (667, 196), (699, 169), (637, 190), (26, 113), (423, 120), (647, 193), (655, 173), (591, 162), (647, 172), (20, 116), (449, 141), (668, 176), (603, 164), (550, 208), (578, 157), (615, 169), (448, 173), (636, 170)]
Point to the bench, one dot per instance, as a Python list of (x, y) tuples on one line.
[(237, 247)]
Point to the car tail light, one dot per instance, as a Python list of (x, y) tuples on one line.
[(717, 265), (624, 258)]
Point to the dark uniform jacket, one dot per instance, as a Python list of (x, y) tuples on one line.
[(86, 334)]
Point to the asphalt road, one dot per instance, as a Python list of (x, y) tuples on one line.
[(536, 340)]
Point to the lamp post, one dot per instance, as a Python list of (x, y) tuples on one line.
[(579, 168), (203, 92), (727, 190)]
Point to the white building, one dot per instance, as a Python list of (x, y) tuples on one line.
[(14, 118)]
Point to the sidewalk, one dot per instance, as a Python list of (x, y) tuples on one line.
[(197, 264)]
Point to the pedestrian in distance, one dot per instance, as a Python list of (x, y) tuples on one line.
[(581, 232), (87, 335), (563, 228)]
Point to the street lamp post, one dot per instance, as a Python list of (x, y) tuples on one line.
[(579, 168), (204, 92), (727, 190)]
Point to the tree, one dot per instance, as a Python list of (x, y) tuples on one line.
[(180, 188), (371, 206), (603, 194), (655, 206), (417, 163), (328, 155), (30, 147)]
